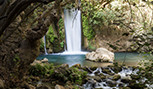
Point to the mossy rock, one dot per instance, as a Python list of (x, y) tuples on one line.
[(137, 86), (124, 88), (107, 71), (102, 76), (116, 77), (136, 77)]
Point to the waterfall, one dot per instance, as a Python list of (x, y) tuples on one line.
[(72, 21), (45, 45)]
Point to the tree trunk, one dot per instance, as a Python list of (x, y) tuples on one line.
[(19, 47)]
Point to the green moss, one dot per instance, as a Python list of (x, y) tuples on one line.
[(77, 76), (41, 70)]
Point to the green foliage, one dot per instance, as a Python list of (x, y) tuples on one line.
[(91, 46), (41, 70), (41, 44), (16, 59), (87, 29), (61, 32), (77, 76), (50, 35)]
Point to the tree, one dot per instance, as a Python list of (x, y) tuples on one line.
[(19, 47)]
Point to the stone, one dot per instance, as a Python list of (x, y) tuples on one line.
[(1, 84), (100, 55), (44, 60), (116, 77), (42, 86), (102, 76), (27, 86), (96, 78), (107, 71), (111, 83), (64, 66), (77, 65), (59, 87), (35, 62), (126, 79)]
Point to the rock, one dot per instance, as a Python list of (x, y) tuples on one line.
[(59, 87), (107, 71), (96, 78), (102, 76), (116, 77), (42, 86), (92, 82), (135, 77), (77, 65), (44, 60), (64, 66), (1, 84), (100, 55), (111, 83), (125, 88), (126, 79), (36, 62), (27, 86)]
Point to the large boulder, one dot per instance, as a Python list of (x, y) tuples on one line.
[(100, 55)]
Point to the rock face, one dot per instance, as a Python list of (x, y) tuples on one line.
[(1, 84), (100, 55)]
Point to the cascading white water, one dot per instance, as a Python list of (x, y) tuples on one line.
[(45, 45), (72, 21)]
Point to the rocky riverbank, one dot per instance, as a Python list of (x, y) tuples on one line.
[(43, 75)]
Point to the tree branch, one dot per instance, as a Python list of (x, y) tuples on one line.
[(15, 9)]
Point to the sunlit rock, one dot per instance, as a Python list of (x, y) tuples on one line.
[(1, 84), (100, 55), (44, 60), (59, 87)]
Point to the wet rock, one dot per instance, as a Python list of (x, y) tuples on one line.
[(100, 55), (111, 83), (107, 71), (97, 78), (45, 60), (124, 88), (59, 87), (121, 85), (1, 84), (117, 69), (126, 79), (93, 68), (135, 77), (137, 86), (116, 77), (87, 69), (92, 82), (102, 76)]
